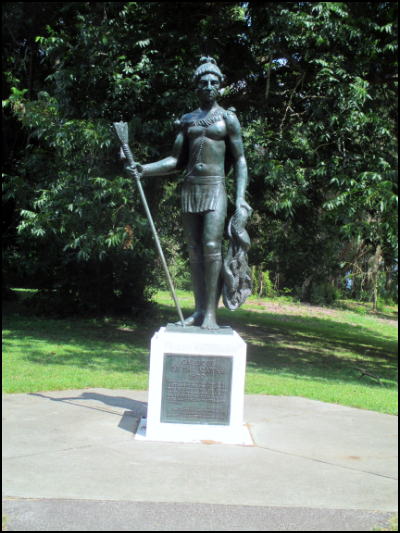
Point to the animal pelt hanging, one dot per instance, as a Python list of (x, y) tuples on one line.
[(235, 269)]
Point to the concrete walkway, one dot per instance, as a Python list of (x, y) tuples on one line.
[(313, 464)]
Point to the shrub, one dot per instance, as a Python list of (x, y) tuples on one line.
[(318, 294), (286, 296), (262, 284)]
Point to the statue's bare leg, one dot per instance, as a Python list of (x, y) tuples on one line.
[(197, 272), (213, 270), (193, 229), (214, 222)]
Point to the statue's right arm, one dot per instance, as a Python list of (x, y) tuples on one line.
[(169, 164)]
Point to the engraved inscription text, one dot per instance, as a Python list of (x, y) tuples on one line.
[(196, 389)]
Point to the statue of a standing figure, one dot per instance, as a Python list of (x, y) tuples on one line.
[(208, 142)]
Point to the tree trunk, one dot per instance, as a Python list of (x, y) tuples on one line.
[(388, 282), (261, 283), (305, 288), (375, 296), (373, 275)]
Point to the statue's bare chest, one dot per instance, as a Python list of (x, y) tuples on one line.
[(216, 131)]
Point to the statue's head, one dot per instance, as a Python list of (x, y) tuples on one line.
[(207, 79)]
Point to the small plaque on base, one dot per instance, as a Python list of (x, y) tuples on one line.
[(196, 389)]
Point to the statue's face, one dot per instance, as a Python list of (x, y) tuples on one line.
[(207, 87)]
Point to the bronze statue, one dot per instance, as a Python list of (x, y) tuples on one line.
[(208, 142)]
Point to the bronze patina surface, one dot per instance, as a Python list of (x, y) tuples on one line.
[(196, 389), (208, 142)]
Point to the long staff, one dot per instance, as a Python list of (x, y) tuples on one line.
[(121, 133)]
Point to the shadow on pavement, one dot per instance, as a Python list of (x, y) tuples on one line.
[(133, 409)]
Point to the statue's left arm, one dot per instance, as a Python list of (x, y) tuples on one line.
[(240, 165)]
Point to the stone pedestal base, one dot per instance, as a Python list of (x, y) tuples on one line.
[(196, 387)]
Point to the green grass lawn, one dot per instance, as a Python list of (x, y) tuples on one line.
[(293, 350)]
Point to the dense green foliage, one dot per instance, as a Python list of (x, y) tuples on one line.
[(315, 88)]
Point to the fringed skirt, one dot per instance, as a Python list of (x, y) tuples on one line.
[(201, 193)]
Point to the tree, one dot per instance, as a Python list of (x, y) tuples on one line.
[(314, 86), (324, 146), (107, 62)]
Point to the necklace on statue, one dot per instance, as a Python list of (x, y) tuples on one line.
[(205, 122)]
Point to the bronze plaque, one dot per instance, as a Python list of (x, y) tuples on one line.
[(196, 389)]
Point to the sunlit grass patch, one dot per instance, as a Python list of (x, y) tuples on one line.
[(292, 350)]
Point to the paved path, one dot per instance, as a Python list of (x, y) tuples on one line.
[(89, 515), (312, 463)]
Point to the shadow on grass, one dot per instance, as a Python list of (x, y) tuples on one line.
[(311, 347), (292, 346)]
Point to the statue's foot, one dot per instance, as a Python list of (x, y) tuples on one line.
[(195, 320), (210, 322)]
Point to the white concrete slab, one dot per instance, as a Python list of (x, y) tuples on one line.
[(52, 421), (194, 473), (80, 445), (335, 434)]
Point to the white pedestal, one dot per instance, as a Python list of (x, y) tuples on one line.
[(219, 378)]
